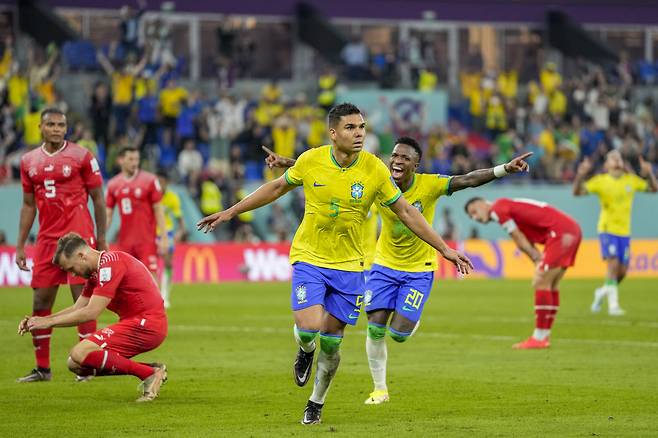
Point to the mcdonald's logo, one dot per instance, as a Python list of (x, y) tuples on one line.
[(204, 263)]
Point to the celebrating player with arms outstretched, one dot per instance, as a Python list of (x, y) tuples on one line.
[(340, 183), (120, 283), (402, 274), (529, 222), (58, 178), (615, 190), (138, 194)]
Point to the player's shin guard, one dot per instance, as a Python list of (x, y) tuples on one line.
[(86, 329), (305, 338), (107, 363), (328, 361), (41, 342), (398, 336), (555, 302), (543, 313), (377, 354)]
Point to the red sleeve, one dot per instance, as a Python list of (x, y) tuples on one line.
[(110, 275), (89, 287), (26, 181), (110, 201), (501, 211), (155, 192), (91, 172)]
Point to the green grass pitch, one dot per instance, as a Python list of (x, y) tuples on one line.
[(230, 350)]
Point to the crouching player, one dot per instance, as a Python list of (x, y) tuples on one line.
[(529, 222), (119, 282)]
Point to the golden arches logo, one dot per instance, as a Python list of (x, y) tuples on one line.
[(202, 260)]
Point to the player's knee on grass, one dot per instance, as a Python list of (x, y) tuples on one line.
[(74, 366), (398, 336), (376, 331), (330, 344), (81, 350)]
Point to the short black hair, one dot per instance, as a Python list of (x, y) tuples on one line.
[(344, 109), (412, 143), (47, 111), (472, 200), (124, 150)]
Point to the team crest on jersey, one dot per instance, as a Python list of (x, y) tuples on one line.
[(357, 190), (32, 171), (367, 297), (418, 205), (66, 170), (628, 189), (300, 292), (138, 192)]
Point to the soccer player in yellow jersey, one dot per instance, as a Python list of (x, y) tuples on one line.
[(615, 190), (401, 277), (171, 204), (371, 227), (340, 182)]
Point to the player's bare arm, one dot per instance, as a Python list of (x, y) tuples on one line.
[(524, 245), (91, 311), (479, 177), (28, 213), (163, 242), (265, 194), (109, 212), (578, 183), (275, 160), (100, 217), (79, 303), (646, 170), (415, 221)]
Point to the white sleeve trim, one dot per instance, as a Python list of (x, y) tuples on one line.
[(509, 225)]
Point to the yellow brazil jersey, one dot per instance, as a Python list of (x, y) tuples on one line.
[(171, 204), (337, 203), (370, 237), (616, 199), (398, 247)]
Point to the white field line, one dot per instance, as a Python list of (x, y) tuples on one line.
[(421, 333)]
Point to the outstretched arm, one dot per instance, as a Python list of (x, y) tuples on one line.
[(646, 170), (415, 221), (524, 245), (265, 194), (482, 176), (579, 180)]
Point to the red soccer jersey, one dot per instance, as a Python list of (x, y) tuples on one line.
[(61, 183), (129, 285), (537, 220), (135, 197)]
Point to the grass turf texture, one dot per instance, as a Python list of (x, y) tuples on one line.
[(230, 350)]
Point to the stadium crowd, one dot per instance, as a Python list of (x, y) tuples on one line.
[(212, 143)]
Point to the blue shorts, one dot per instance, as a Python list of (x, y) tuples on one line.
[(340, 292), (405, 292), (613, 246), (170, 238)]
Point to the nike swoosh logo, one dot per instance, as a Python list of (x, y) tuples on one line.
[(350, 316), (316, 184), (408, 309)]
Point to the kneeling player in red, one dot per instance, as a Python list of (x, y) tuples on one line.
[(529, 222), (119, 282)]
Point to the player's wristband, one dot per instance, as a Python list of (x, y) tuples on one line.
[(499, 171)]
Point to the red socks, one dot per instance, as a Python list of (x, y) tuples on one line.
[(543, 309), (107, 362), (555, 302), (41, 342), (86, 329)]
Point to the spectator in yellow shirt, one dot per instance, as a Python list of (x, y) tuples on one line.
[(171, 98), (550, 78)]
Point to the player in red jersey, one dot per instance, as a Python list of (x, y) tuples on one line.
[(120, 283), (57, 178), (529, 222), (137, 194)]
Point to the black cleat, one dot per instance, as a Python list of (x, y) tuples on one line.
[(312, 413), (36, 375), (301, 369)]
